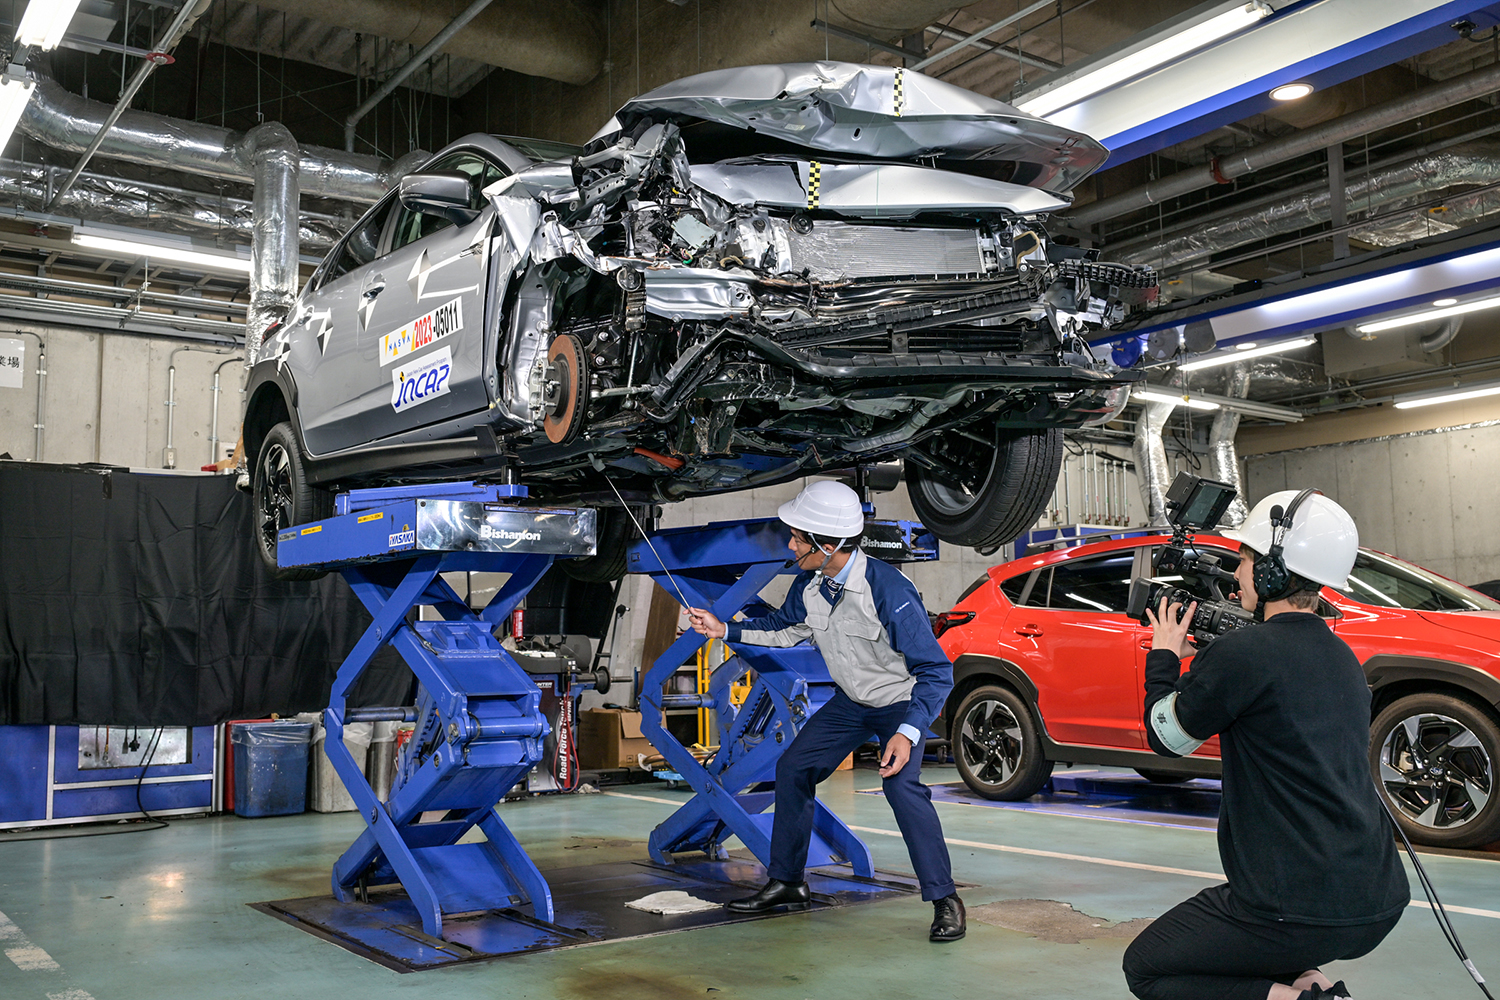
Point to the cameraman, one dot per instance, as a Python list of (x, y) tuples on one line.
[(1312, 871)]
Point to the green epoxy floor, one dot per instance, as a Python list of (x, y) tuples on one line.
[(162, 915)]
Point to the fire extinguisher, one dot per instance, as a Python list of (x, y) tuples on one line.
[(518, 622)]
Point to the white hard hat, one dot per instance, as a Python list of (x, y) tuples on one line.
[(1320, 545), (826, 509)]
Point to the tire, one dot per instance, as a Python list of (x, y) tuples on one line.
[(283, 498), (1434, 758), (996, 745), (615, 533), (1162, 777), (994, 493)]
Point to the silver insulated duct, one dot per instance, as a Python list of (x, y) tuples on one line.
[(63, 120), (273, 156), (1151, 467), (1224, 460)]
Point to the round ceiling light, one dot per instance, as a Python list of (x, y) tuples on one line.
[(1442, 303), (1291, 92), (1244, 347)]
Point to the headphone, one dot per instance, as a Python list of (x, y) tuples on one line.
[(1273, 581)]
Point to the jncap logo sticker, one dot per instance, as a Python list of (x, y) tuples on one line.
[(422, 331), (421, 381)]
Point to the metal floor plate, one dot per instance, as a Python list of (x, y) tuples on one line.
[(589, 902)]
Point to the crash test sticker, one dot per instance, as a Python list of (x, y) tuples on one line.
[(421, 332), (421, 381)]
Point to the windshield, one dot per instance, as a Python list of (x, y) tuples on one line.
[(1391, 583)]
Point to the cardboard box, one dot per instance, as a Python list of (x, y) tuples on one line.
[(610, 737)]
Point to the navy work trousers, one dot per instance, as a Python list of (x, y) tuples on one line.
[(829, 736)]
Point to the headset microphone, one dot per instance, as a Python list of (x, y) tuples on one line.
[(1273, 581)]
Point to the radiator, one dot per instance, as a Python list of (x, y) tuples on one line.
[(839, 250)]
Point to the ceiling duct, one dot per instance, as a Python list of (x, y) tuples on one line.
[(162, 209), (1150, 451), (557, 40), (63, 120), (1224, 459), (1390, 191), (1480, 83)]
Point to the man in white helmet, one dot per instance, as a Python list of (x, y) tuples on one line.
[(1312, 871), (892, 676)]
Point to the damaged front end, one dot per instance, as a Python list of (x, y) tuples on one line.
[(753, 274)]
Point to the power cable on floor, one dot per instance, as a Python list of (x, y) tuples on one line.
[(1438, 913)]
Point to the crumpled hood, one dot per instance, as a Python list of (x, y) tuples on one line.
[(1483, 624), (874, 112)]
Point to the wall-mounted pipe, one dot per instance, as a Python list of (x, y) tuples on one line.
[(1151, 468), (213, 430), (169, 453)]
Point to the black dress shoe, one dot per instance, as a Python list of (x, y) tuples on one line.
[(948, 920), (792, 895)]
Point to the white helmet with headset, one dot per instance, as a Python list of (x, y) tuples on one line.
[(1302, 533)]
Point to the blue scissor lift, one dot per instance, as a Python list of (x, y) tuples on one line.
[(723, 567), (479, 730)]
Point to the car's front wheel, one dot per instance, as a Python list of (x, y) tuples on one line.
[(283, 498), (996, 745), (985, 487), (1434, 758)]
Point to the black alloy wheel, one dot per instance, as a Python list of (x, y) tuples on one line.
[(614, 531), (986, 485), (283, 498), (996, 745), (1434, 758)]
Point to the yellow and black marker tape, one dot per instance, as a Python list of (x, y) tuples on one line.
[(814, 179), (899, 96)]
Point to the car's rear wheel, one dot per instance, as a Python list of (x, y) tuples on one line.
[(996, 745), (1434, 757), (283, 498), (985, 487)]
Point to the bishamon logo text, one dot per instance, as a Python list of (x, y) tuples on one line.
[(422, 331), (872, 543), (504, 535), (424, 380)]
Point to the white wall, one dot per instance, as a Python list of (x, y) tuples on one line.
[(1429, 497), (105, 399)]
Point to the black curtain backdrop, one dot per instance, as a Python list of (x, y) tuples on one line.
[(138, 599)]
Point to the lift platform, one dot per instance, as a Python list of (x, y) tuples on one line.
[(479, 727), (723, 566)]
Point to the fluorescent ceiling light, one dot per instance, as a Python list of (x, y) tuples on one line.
[(163, 251), (14, 93), (1154, 396), (45, 22), (1229, 357), (1142, 60), (1454, 396), (1427, 315), (1291, 92), (1440, 303)]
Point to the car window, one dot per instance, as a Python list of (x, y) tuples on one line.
[(1391, 583), (1100, 583), (412, 226), (1014, 587), (361, 245), (983, 579)]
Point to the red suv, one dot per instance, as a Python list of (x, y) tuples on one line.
[(1048, 668)]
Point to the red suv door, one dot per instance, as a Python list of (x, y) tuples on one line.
[(1077, 644)]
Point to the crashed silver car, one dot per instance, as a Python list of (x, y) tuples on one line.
[(747, 276)]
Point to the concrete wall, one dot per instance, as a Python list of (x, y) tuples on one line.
[(105, 399), (1427, 496)]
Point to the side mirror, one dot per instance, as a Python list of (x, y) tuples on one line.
[(446, 193)]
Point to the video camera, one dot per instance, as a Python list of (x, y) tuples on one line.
[(1193, 504)]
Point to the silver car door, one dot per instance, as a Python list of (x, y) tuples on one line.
[(332, 371), (428, 324)]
